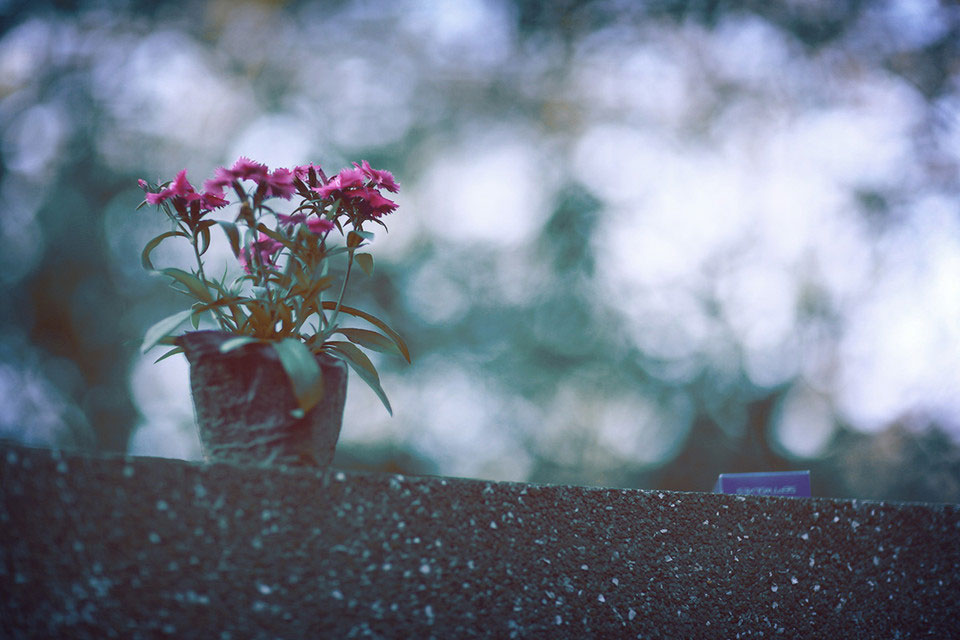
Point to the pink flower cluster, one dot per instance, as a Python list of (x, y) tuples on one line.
[(181, 193), (278, 183), (359, 187), (356, 192)]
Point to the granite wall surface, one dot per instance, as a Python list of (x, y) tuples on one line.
[(96, 547)]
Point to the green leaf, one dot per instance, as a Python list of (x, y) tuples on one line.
[(304, 372), (330, 304), (145, 256), (195, 318), (193, 284), (233, 235), (360, 363), (162, 329), (172, 352), (235, 343), (365, 260), (205, 237), (371, 340), (356, 238)]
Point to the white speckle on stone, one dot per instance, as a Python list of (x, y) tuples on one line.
[(615, 581), (386, 566), (631, 614), (154, 537), (425, 568), (341, 476), (428, 610), (812, 561), (470, 564), (836, 518), (493, 525), (804, 536), (600, 598), (558, 620), (774, 588), (663, 530), (337, 594), (793, 580), (264, 589), (162, 505), (668, 559), (854, 524), (816, 587), (584, 567), (876, 561)]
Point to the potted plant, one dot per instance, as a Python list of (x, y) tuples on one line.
[(269, 385)]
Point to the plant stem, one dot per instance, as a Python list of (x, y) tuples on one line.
[(343, 288), (222, 319)]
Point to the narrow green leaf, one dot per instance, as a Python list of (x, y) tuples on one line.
[(193, 284), (145, 256), (360, 363), (162, 329), (371, 340), (233, 235), (304, 372), (365, 260), (172, 352), (330, 304), (205, 238)]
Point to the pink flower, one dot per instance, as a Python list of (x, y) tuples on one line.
[(319, 226), (221, 179), (330, 190), (262, 251), (372, 204), (245, 168), (346, 179), (290, 220), (143, 184), (280, 184), (180, 188), (378, 178), (210, 200), (350, 178), (302, 172)]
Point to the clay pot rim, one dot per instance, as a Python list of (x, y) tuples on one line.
[(209, 345)]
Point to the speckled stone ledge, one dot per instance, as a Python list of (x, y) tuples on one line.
[(97, 547)]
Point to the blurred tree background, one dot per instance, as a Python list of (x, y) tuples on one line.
[(638, 244)]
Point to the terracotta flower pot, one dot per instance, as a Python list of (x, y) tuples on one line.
[(244, 404)]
